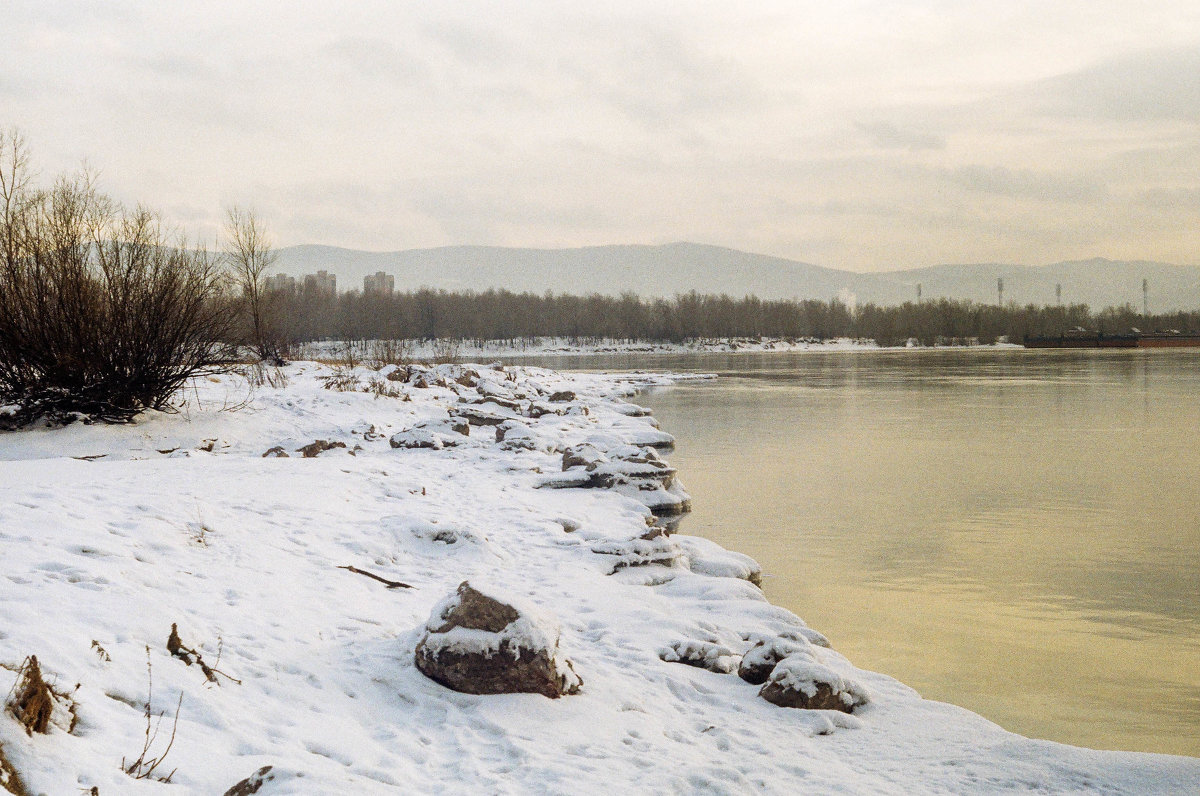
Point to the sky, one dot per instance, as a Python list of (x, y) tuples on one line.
[(860, 135)]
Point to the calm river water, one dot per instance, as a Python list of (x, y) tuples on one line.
[(1016, 532)]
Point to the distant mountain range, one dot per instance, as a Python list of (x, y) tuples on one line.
[(681, 267)]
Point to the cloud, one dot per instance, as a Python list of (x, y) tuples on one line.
[(1148, 85), (845, 133), (1028, 184), (885, 135), (376, 58)]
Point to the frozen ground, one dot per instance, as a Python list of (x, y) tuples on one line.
[(110, 534)]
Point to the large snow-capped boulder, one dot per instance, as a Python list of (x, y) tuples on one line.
[(490, 643), (433, 434), (758, 663), (798, 681)]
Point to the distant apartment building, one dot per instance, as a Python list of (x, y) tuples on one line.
[(379, 283), (280, 283), (321, 282)]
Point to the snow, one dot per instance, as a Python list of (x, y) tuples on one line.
[(109, 534)]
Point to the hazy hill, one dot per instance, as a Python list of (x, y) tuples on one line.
[(679, 267)]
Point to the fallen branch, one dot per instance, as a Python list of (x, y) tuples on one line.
[(391, 584), (186, 654)]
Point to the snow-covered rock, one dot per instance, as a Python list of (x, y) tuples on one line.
[(433, 434), (493, 643), (798, 681), (702, 654), (254, 783), (760, 660), (706, 557)]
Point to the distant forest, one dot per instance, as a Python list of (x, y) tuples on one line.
[(309, 315)]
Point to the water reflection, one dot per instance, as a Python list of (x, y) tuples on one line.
[(1016, 532)]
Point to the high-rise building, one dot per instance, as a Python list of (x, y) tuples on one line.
[(280, 283), (379, 283), (321, 282)]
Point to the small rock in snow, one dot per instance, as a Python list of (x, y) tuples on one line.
[(701, 654), (317, 447), (252, 784)]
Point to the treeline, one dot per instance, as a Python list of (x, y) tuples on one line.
[(311, 315), (104, 313)]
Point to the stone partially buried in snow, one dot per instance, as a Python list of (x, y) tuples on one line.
[(798, 681), (701, 654), (317, 447), (490, 643), (253, 783)]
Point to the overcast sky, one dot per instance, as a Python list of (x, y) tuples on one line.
[(861, 135)]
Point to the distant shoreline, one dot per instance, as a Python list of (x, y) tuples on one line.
[(560, 347)]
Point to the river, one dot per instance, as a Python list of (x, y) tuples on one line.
[(1016, 532)]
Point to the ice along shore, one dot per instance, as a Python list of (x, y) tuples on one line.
[(544, 489)]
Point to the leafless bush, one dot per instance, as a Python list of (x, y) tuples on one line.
[(349, 354), (381, 353), (382, 388), (445, 351), (101, 315), (260, 374)]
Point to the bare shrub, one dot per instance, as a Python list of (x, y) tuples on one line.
[(101, 315), (381, 353), (260, 374), (382, 388), (349, 354), (342, 379), (445, 351)]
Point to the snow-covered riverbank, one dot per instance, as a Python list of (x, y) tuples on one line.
[(112, 534)]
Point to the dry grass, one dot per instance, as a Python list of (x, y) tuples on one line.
[(10, 781), (146, 763), (343, 379), (260, 374), (32, 703), (381, 353), (382, 388)]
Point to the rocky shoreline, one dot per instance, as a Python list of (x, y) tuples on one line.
[(386, 572)]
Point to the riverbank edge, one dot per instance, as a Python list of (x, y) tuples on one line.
[(701, 574)]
